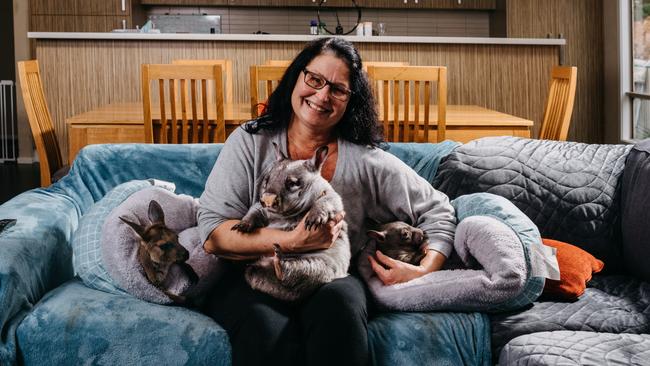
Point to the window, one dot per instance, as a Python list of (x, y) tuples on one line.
[(640, 70)]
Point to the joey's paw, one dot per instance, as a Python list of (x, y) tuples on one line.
[(316, 218), (243, 227)]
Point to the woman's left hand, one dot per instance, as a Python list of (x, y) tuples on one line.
[(394, 271)]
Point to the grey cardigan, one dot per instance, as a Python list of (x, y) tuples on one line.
[(372, 183)]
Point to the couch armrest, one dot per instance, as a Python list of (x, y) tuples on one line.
[(35, 256)]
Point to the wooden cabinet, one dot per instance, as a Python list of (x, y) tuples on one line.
[(52, 23), (102, 7), (78, 23), (186, 2), (462, 4), (420, 4), (84, 15), (49, 7), (376, 4)]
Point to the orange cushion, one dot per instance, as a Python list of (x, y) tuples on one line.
[(576, 268)]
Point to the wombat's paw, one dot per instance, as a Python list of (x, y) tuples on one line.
[(277, 250), (316, 218), (243, 227)]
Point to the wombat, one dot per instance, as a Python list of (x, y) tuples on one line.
[(289, 190), (401, 241), (159, 249)]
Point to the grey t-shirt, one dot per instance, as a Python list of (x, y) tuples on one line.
[(372, 183)]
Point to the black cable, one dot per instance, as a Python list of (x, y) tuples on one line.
[(339, 28)]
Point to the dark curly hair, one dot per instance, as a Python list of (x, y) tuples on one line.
[(358, 124)]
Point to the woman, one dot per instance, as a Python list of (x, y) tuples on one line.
[(324, 98)]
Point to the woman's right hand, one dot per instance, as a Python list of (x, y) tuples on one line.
[(309, 240)]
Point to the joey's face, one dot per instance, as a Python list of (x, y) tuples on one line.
[(164, 246)]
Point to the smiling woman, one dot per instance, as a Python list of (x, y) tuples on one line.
[(330, 105)]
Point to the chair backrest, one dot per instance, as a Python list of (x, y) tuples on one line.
[(408, 89), (383, 63), (40, 120), (175, 83), (284, 63), (378, 87), (226, 68), (559, 103), (268, 76)]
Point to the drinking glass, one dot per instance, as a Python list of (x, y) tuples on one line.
[(381, 29)]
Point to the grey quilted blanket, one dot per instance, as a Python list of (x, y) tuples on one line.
[(568, 189), (611, 304), (577, 348)]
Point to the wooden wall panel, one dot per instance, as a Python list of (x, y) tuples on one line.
[(580, 23), (80, 75)]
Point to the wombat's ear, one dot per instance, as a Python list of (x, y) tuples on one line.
[(156, 214), (380, 236), (278, 153), (139, 229), (319, 157)]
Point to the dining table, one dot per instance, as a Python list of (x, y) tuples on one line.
[(124, 123)]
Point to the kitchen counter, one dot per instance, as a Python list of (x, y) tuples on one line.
[(294, 38)]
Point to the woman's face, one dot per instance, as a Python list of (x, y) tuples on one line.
[(317, 108)]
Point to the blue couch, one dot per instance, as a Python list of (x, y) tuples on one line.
[(48, 317)]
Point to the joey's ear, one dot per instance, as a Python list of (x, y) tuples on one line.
[(156, 214), (380, 236), (139, 229), (319, 157), (279, 156)]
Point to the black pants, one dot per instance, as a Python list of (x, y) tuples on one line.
[(328, 328)]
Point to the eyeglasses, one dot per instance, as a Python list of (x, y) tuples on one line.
[(318, 82)]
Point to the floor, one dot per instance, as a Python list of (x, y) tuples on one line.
[(17, 178)]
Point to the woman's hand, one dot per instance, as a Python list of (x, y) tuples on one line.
[(392, 271), (305, 240)]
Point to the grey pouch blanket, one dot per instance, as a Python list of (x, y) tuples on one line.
[(494, 271), (120, 243)]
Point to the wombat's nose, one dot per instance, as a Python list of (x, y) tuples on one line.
[(269, 199)]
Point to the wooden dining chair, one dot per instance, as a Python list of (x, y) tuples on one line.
[(559, 103), (407, 100), (51, 163), (185, 112), (226, 67), (263, 79)]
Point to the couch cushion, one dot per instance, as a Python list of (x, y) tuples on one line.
[(99, 168), (636, 210), (429, 339), (610, 304), (568, 189), (577, 348), (74, 325)]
